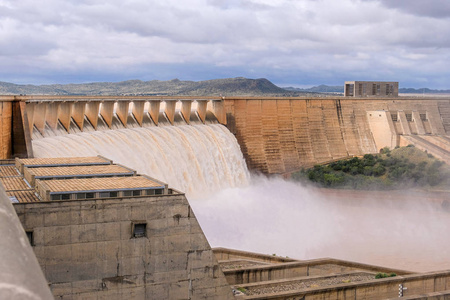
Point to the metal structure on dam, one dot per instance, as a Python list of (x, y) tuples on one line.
[(276, 135)]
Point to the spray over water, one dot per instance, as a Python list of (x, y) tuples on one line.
[(397, 229), (271, 216)]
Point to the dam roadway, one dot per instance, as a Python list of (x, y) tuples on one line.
[(276, 135)]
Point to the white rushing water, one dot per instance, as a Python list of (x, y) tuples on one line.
[(190, 158)]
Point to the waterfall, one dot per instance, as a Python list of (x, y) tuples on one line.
[(191, 158)]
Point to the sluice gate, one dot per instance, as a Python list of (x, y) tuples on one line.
[(85, 112), (25, 118)]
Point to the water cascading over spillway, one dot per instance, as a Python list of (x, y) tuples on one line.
[(190, 158)]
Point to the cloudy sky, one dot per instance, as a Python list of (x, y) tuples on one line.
[(290, 42)]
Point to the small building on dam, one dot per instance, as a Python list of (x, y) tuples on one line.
[(99, 230)]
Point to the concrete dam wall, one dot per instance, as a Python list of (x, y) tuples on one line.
[(276, 135), (279, 135)]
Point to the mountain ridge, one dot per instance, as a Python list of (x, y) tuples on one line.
[(238, 86)]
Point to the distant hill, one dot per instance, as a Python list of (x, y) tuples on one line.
[(422, 91), (319, 89), (238, 86), (227, 87)]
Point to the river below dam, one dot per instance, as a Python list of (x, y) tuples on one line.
[(398, 229)]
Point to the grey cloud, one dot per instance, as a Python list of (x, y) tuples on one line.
[(429, 8), (256, 37)]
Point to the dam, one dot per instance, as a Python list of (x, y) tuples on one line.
[(276, 135), (171, 138)]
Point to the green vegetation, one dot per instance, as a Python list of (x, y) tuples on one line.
[(384, 275), (242, 290), (400, 168)]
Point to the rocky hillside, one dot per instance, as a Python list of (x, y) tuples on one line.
[(226, 87)]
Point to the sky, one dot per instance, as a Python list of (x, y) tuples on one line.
[(298, 43)]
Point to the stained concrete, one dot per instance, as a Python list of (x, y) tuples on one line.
[(21, 277)]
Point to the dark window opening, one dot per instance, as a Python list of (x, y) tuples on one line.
[(108, 194), (139, 230), (349, 89), (90, 195), (30, 237), (81, 196), (150, 192), (389, 89), (127, 193), (394, 117), (159, 191), (60, 197), (409, 117), (136, 193), (423, 117)]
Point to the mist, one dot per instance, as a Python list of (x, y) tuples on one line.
[(398, 229)]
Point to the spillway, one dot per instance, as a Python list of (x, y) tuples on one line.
[(191, 158)]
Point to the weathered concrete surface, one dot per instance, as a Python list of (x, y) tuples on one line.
[(5, 129), (87, 250), (276, 135), (21, 277), (279, 135), (383, 129), (283, 278), (418, 286)]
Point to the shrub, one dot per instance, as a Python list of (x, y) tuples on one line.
[(368, 171), (385, 150), (379, 170), (384, 275), (411, 166), (422, 165), (354, 170), (369, 157), (332, 179), (434, 179)]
